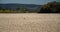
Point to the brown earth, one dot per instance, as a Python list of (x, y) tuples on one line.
[(29, 22)]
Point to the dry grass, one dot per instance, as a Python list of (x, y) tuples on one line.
[(29, 22)]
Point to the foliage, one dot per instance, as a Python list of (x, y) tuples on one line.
[(51, 7), (46, 8)]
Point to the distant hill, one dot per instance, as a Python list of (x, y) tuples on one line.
[(15, 6)]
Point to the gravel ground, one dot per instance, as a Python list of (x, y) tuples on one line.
[(29, 22)]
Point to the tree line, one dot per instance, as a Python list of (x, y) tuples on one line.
[(51, 7)]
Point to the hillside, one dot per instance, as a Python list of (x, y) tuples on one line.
[(15, 6)]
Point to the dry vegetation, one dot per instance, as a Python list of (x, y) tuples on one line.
[(29, 22)]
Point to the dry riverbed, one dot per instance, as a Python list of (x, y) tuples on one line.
[(29, 22)]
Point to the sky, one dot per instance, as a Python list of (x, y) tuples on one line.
[(40, 2)]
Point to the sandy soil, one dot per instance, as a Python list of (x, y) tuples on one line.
[(29, 22)]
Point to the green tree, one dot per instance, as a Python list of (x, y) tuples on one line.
[(51, 7)]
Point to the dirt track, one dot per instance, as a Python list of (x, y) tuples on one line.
[(29, 22)]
